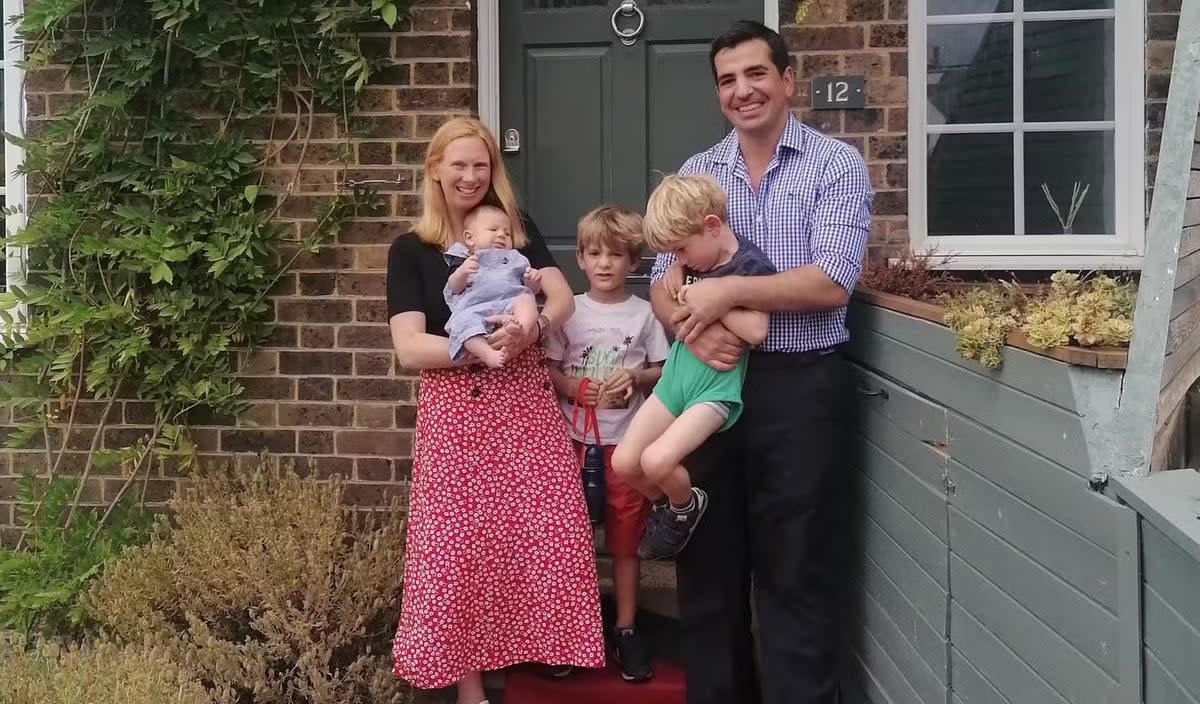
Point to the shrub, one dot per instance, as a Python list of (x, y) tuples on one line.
[(981, 319), (104, 674), (63, 551), (914, 276), (268, 590)]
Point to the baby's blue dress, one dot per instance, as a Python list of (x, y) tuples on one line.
[(491, 291)]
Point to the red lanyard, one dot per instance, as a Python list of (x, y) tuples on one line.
[(590, 422)]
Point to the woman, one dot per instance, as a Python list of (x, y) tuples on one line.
[(500, 567)]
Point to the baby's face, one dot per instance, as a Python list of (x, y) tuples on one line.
[(490, 229)]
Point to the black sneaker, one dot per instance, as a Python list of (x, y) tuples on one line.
[(668, 530), (632, 654)]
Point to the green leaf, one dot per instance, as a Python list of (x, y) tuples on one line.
[(161, 272), (251, 194), (388, 13)]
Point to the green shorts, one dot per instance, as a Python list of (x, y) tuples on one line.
[(686, 381)]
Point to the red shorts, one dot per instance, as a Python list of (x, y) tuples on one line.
[(627, 512)]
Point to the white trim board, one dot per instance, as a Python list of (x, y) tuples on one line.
[(14, 155), (488, 52), (1122, 249)]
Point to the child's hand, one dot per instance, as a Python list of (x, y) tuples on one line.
[(470, 266), (591, 393), (533, 279), (619, 384), (673, 279)]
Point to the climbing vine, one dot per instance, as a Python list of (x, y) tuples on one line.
[(154, 237)]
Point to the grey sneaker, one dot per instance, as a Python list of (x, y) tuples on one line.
[(668, 531)]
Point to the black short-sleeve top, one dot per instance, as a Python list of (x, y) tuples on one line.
[(417, 272)]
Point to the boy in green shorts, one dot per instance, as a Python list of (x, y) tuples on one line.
[(686, 216)]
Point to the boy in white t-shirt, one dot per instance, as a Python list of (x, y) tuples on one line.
[(615, 343)]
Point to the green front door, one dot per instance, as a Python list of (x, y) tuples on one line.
[(589, 117)]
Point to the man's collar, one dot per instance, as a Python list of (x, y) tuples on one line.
[(793, 138)]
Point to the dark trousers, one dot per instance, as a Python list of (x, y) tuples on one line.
[(777, 484)]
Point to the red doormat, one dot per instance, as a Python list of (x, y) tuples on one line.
[(596, 687)]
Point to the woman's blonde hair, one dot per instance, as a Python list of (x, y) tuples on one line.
[(615, 228), (435, 226), (677, 209)]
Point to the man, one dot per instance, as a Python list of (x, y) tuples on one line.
[(778, 480)]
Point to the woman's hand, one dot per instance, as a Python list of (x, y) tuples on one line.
[(510, 336)]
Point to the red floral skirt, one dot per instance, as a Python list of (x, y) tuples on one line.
[(500, 566)]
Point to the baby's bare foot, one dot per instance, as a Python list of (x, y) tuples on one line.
[(493, 358)]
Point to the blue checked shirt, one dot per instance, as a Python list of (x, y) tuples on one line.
[(813, 206)]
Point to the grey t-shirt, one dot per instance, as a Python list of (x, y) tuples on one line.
[(748, 260)]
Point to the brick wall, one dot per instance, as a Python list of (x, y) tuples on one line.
[(867, 38), (325, 393)]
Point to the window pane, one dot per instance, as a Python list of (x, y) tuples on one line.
[(968, 7), (970, 74), (971, 184), (1060, 160), (1069, 71), (1043, 5)]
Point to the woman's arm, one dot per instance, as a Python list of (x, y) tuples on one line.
[(415, 348), (560, 300)]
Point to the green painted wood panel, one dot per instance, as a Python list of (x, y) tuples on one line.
[(903, 485), (1174, 641), (1161, 685), (1068, 612), (917, 541), (970, 686), (870, 615), (864, 687), (1071, 675), (1049, 430), (1172, 573), (926, 462), (1067, 554), (917, 416), (928, 641), (1047, 486), (927, 596), (994, 660), (1037, 376), (878, 663), (565, 88)]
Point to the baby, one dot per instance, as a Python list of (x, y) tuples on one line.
[(493, 280)]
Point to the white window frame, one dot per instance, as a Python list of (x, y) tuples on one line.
[(14, 155), (1120, 250)]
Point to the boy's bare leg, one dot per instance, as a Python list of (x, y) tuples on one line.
[(524, 309), (661, 459), (650, 422), (478, 346), (626, 576)]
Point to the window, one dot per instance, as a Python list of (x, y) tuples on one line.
[(13, 193), (1026, 145)]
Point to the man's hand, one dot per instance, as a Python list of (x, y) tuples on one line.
[(533, 279), (704, 303), (509, 335), (715, 345), (591, 393), (619, 384)]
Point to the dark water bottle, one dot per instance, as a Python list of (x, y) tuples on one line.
[(593, 482)]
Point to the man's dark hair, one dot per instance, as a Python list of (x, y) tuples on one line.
[(748, 30)]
